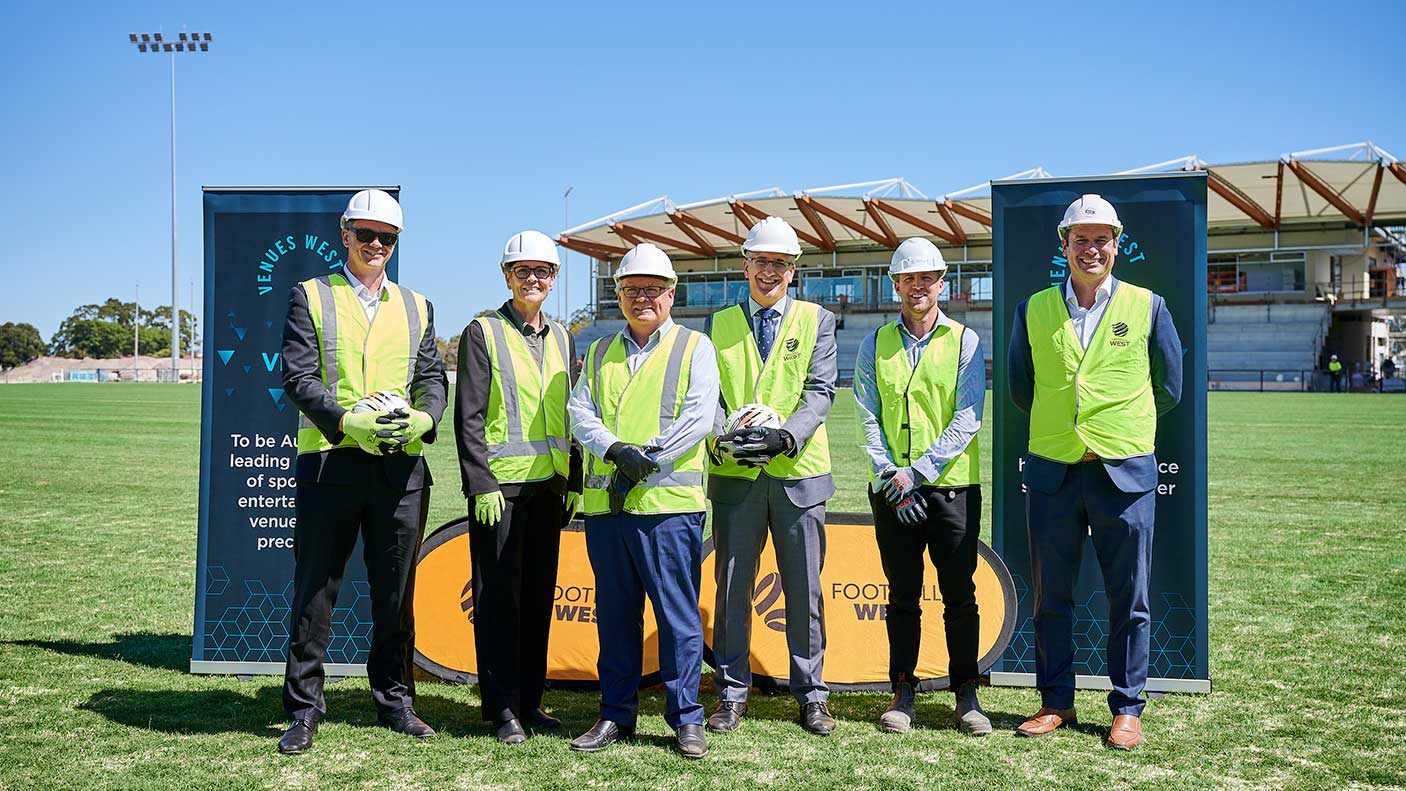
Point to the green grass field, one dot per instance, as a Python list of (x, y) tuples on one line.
[(98, 489)]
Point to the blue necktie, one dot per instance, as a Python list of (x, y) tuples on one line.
[(766, 331)]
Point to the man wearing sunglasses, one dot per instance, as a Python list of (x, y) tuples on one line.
[(778, 351), (360, 472), (515, 459), (642, 409)]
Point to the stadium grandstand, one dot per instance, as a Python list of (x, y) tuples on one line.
[(1306, 258)]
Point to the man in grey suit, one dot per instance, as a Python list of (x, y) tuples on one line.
[(777, 351)]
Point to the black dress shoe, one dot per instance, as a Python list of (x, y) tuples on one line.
[(728, 715), (511, 732), (298, 737), (601, 735), (405, 721), (691, 741), (815, 717), (542, 720)]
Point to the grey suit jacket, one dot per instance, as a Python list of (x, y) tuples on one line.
[(816, 397)]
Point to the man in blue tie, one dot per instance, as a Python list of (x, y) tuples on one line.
[(779, 351)]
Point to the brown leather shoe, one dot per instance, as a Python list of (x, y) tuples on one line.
[(1126, 732), (1047, 720)]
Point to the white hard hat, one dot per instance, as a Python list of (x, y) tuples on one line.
[(646, 259), (916, 255), (375, 205), (1090, 210), (773, 235), (530, 246)]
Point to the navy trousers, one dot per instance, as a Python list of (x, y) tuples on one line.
[(1087, 503), (659, 555)]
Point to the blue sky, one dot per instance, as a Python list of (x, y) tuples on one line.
[(486, 116)]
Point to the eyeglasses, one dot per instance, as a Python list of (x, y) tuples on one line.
[(365, 235), (540, 272), (648, 292), (769, 263)]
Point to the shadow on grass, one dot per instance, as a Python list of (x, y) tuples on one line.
[(158, 651), (213, 711)]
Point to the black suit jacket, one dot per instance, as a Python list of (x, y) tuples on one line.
[(302, 383)]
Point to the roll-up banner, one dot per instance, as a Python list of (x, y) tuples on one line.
[(259, 243), (1163, 248)]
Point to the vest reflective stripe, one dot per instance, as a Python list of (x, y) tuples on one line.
[(916, 406), (1099, 399), (779, 382), (637, 408), (359, 357), (526, 424)]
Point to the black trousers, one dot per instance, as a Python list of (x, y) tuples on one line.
[(389, 521), (949, 537), (514, 566)]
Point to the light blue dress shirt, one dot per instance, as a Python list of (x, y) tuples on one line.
[(699, 402), (966, 420)]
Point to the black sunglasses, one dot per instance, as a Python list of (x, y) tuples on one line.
[(365, 235)]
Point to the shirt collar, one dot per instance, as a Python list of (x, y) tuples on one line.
[(360, 288), (652, 340), (514, 318), (1102, 294), (942, 319), (780, 307)]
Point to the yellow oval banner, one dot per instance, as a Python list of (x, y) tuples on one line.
[(853, 585)]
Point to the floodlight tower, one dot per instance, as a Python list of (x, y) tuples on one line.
[(154, 43)]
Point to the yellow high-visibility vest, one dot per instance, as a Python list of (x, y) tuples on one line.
[(779, 382), (526, 426), (915, 405), (637, 408), (1098, 399), (361, 356)]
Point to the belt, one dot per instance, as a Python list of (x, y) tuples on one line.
[(1089, 456)]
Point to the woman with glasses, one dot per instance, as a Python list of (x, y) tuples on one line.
[(522, 479)]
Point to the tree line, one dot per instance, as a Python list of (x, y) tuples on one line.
[(101, 331)]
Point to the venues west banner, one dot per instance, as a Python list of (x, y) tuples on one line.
[(1163, 248), (259, 243)]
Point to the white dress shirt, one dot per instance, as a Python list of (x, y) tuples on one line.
[(369, 300), (1086, 319)]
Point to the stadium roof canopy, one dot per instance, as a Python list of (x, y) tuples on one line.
[(1360, 184)]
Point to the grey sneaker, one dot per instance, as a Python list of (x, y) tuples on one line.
[(969, 717), (900, 715)]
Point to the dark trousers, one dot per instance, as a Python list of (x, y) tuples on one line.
[(662, 556), (514, 568), (330, 517), (1087, 504), (949, 537)]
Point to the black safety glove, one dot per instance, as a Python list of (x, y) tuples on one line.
[(631, 461), (393, 425), (761, 445)]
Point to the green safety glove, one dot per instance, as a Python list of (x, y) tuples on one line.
[(488, 508), (420, 424), (573, 502), (369, 430)]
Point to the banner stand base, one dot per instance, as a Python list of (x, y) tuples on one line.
[(207, 667), (1197, 685)]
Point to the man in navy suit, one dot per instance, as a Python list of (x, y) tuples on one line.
[(1094, 362)]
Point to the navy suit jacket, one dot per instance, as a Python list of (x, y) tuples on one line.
[(1164, 353)]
